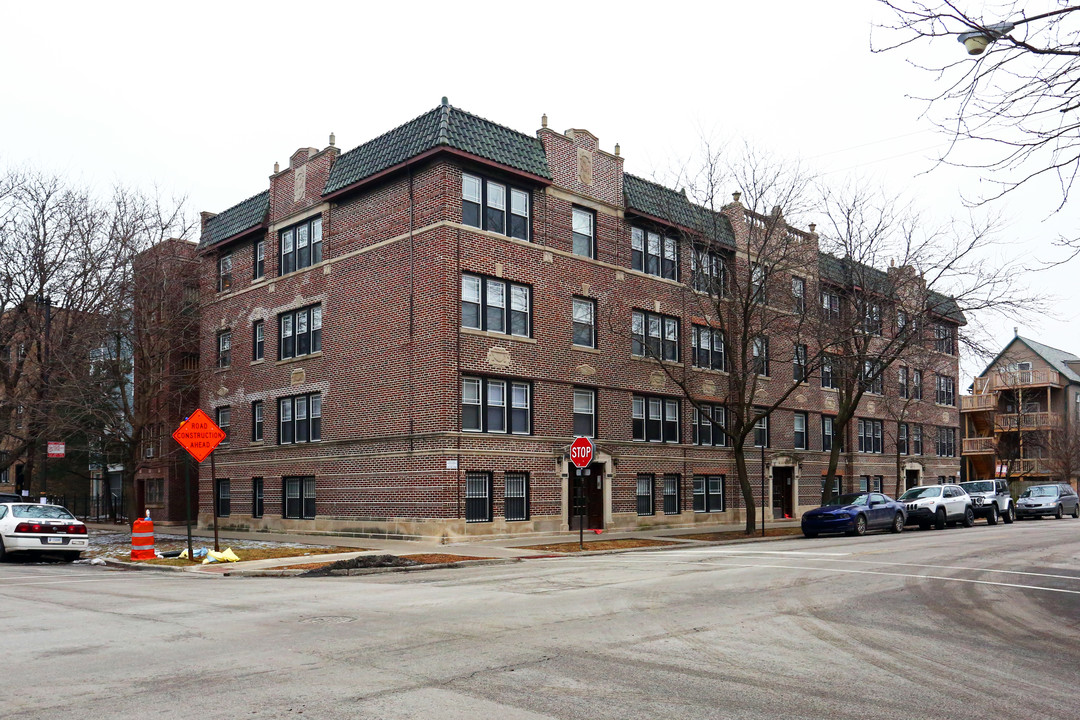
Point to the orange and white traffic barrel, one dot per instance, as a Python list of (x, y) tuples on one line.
[(142, 539)]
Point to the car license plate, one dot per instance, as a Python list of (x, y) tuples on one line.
[(54, 540)]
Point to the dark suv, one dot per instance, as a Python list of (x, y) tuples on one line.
[(990, 499)]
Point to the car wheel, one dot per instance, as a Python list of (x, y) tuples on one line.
[(860, 525), (992, 517), (1010, 514), (1076, 510), (969, 517), (70, 556), (809, 533), (1059, 513), (939, 519), (898, 523), (3, 553)]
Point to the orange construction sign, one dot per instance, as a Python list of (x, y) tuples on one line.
[(199, 435)]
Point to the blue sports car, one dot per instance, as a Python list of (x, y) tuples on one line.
[(854, 514)]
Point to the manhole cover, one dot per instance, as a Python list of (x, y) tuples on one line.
[(328, 619)]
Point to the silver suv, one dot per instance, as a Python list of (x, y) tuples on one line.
[(938, 505), (990, 499)]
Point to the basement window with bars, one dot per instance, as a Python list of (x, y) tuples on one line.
[(645, 483), (223, 497), (477, 497), (483, 206), (298, 501), (517, 496), (671, 495)]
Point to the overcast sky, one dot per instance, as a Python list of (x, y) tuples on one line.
[(201, 98)]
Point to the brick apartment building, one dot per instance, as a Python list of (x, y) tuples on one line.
[(406, 337), (1022, 417)]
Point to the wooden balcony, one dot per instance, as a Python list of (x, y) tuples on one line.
[(1016, 379), (978, 446), (1028, 467), (977, 403), (1026, 421)]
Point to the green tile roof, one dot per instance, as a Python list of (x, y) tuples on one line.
[(444, 126), (844, 272), (240, 217), (665, 204)]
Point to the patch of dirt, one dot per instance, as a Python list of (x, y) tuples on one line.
[(363, 561), (436, 558), (263, 553), (573, 547), (117, 545), (739, 534)]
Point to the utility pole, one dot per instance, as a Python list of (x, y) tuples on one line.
[(44, 303)]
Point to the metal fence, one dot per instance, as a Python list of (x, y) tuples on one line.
[(105, 507)]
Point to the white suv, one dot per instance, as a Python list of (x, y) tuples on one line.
[(938, 505)]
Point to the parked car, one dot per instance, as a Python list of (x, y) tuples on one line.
[(30, 527), (1055, 500), (854, 514), (991, 499), (938, 505), (10, 497)]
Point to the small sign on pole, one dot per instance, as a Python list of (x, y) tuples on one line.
[(56, 449)]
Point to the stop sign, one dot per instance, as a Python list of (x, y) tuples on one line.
[(581, 452)]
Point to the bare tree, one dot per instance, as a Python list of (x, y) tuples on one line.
[(1013, 98), (1063, 453)]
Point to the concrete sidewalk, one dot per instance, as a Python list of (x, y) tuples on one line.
[(495, 548)]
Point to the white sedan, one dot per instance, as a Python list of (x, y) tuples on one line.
[(27, 527)]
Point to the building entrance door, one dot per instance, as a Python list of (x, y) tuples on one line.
[(783, 487), (587, 486), (911, 478)]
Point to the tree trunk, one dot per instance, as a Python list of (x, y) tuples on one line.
[(744, 483)]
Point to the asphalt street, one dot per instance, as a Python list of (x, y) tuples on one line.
[(959, 623)]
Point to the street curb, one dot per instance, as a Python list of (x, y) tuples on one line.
[(125, 565), (373, 571)]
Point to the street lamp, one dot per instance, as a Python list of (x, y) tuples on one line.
[(975, 42)]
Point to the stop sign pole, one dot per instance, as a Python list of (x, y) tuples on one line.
[(581, 454)]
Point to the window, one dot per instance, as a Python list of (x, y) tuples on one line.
[(946, 390), (902, 382), (223, 497), (838, 483), (477, 497), (760, 361), (875, 486), (945, 339), (798, 294), (710, 422), (300, 332), (870, 436), (257, 421), (798, 364), (708, 348), (256, 497), (485, 406), (864, 483), (584, 233), (946, 442), (301, 245), (655, 419), (299, 497), (155, 491), (258, 340), (830, 305), (517, 496), (585, 413), (902, 439), (645, 482), (871, 378), (584, 322), (656, 336), (761, 431), (800, 431), (224, 265), (489, 213), (829, 435), (224, 344), (671, 495), (654, 254), (901, 322), (300, 419), (709, 493), (916, 440), (872, 319), (708, 272), (829, 372), (916, 384), (484, 305), (758, 279), (260, 259), (224, 415)]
